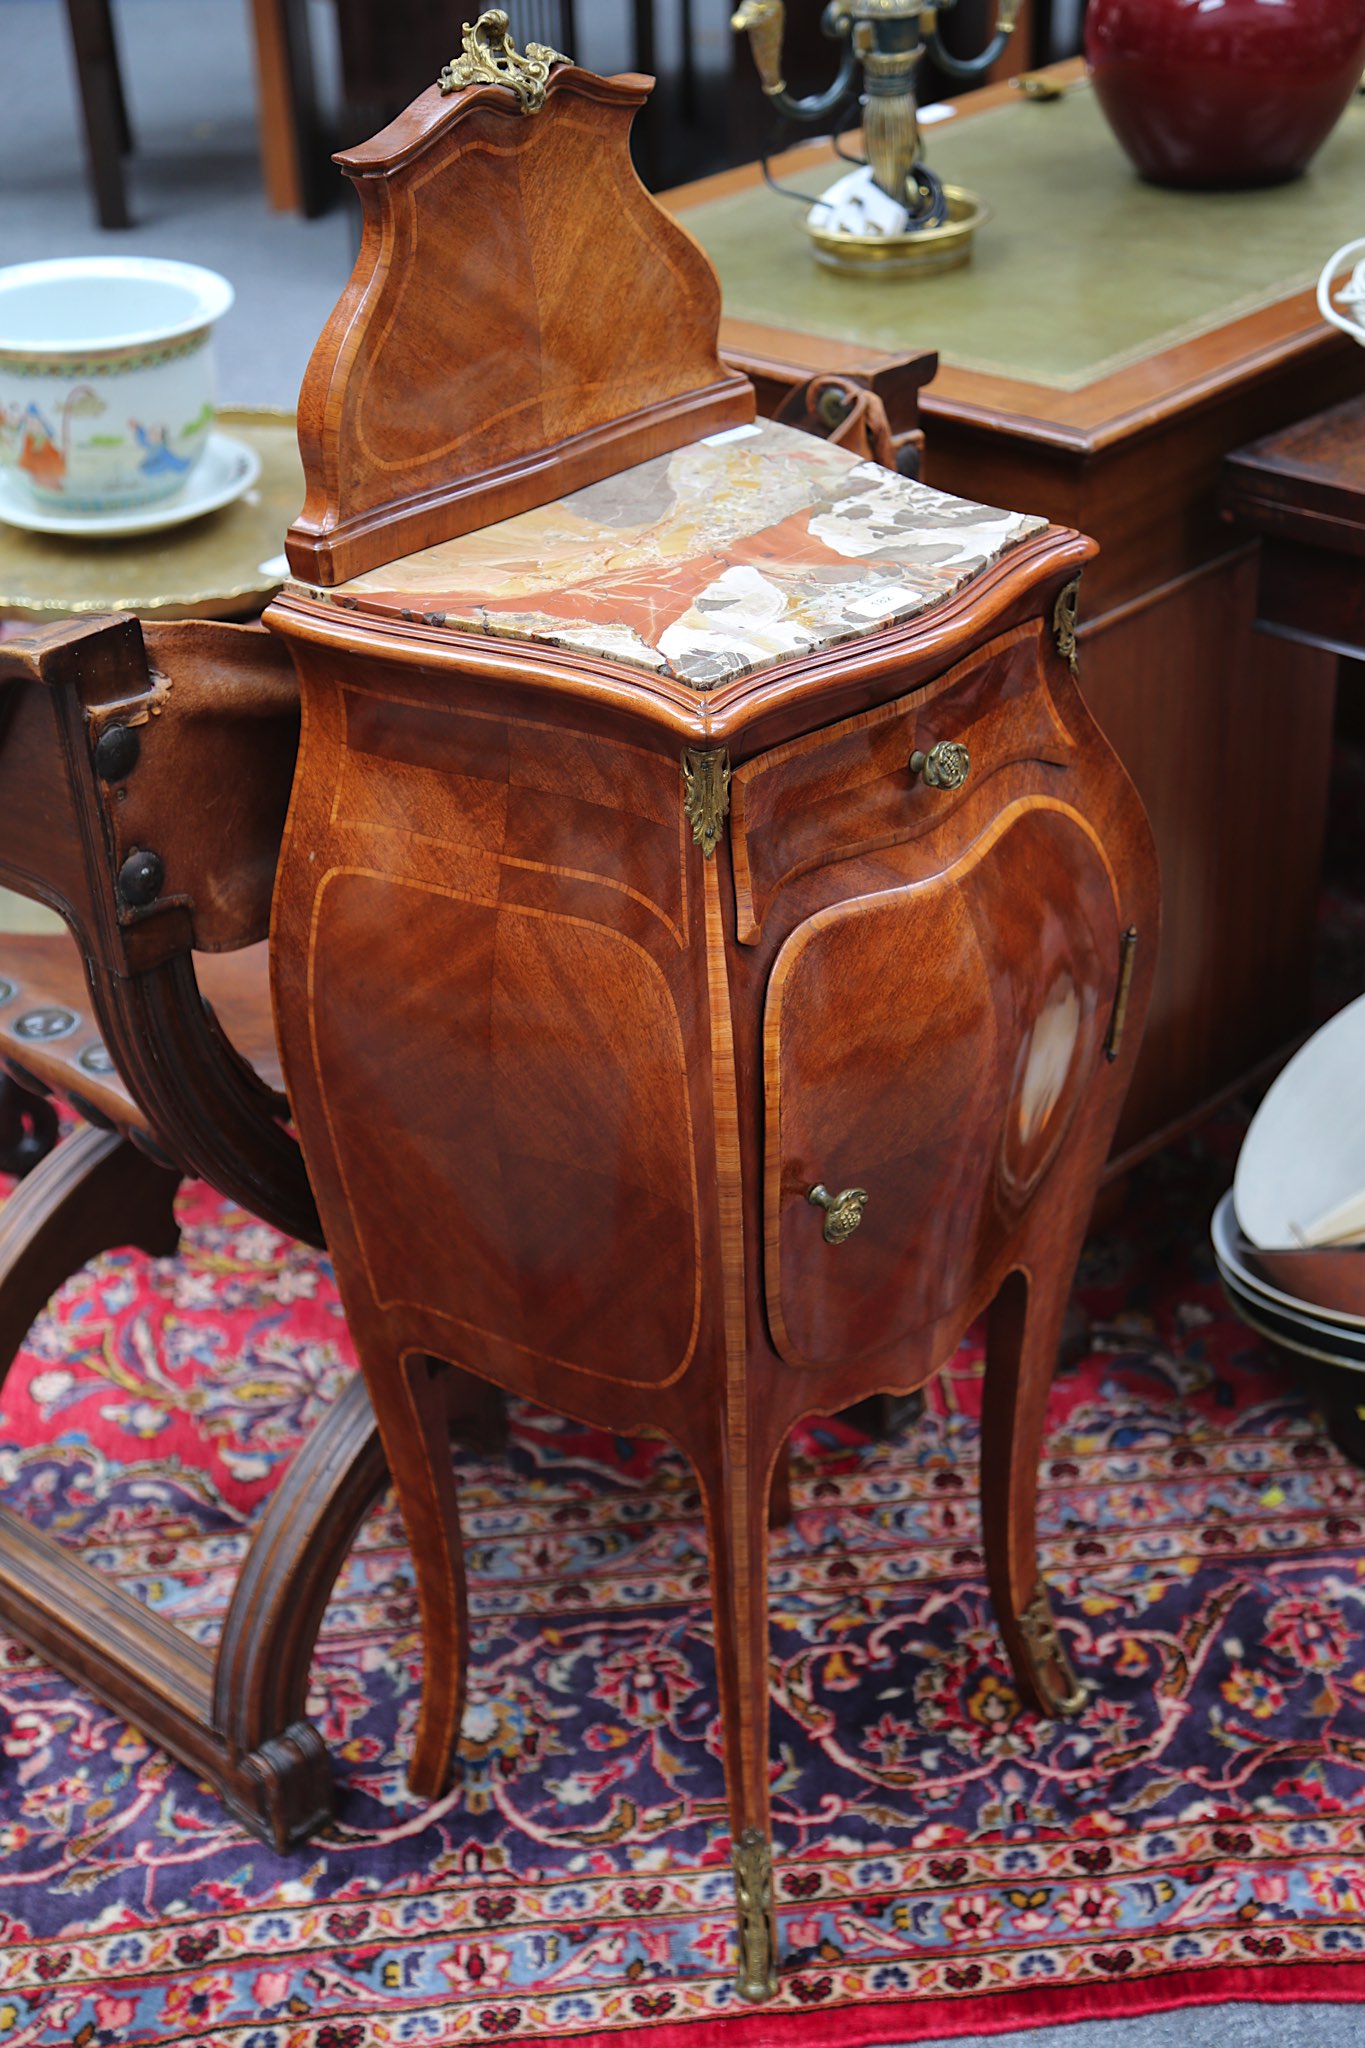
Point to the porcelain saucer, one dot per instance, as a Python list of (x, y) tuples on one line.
[(226, 469)]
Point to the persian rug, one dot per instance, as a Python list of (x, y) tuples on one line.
[(950, 1863)]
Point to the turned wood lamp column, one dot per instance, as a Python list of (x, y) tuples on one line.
[(688, 1031)]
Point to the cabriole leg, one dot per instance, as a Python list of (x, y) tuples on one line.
[(1024, 1331), (284, 1781), (415, 1411), (736, 1491)]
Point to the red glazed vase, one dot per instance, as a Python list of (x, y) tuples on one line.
[(1224, 92)]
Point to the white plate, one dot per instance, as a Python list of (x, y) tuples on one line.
[(223, 472), (1227, 1252), (1305, 1151)]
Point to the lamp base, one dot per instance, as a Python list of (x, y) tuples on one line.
[(918, 252)]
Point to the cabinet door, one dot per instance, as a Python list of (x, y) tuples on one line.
[(929, 1045)]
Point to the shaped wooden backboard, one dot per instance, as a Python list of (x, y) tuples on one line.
[(523, 318)]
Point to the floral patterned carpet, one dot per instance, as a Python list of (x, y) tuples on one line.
[(949, 1862)]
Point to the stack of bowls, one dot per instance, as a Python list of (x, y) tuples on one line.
[(1289, 1238)]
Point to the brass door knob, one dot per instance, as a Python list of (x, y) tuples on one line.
[(843, 1212), (946, 765)]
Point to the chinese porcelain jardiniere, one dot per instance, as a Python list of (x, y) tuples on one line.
[(106, 377), (1224, 92)]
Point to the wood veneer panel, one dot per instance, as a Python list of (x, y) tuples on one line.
[(559, 1082), (595, 344), (848, 790)]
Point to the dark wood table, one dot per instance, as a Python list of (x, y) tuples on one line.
[(1303, 491), (1128, 445)]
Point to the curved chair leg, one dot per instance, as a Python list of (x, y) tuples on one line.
[(237, 1720), (283, 1785), (1023, 1335), (238, 1717), (94, 1192), (281, 1774)]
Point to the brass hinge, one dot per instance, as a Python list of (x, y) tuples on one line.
[(706, 794), (1064, 622), (1127, 954)]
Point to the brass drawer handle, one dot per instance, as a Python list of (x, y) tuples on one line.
[(945, 766), (843, 1212)]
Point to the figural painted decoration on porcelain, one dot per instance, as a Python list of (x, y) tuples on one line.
[(106, 378)]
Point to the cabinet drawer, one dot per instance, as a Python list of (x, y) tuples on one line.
[(849, 789)]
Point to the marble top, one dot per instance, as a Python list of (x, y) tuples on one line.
[(726, 557)]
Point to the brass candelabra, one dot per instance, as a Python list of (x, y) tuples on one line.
[(918, 224)]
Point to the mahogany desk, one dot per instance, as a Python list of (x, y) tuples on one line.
[(1126, 444)]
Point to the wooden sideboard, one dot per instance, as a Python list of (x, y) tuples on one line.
[(1225, 731)]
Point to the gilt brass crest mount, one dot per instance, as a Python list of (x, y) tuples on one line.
[(489, 58)]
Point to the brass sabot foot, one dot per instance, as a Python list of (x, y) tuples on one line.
[(752, 1857), (1054, 1675)]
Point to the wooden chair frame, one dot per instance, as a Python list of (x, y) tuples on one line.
[(94, 742)]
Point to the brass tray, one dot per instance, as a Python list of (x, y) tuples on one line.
[(223, 566)]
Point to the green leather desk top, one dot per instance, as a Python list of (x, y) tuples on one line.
[(1082, 270)]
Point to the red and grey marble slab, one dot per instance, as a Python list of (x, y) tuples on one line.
[(726, 557)]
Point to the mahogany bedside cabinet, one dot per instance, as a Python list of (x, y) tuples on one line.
[(143, 785), (711, 936)]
